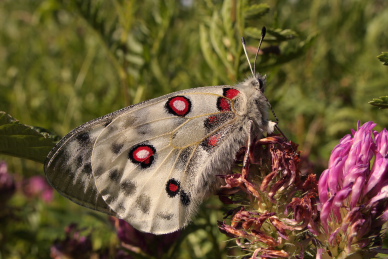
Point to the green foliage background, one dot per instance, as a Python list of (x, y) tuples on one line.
[(65, 62)]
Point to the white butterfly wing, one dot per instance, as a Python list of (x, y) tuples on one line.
[(154, 164)]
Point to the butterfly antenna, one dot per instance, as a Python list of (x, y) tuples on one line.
[(246, 54), (263, 32)]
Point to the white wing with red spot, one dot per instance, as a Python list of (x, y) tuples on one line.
[(162, 157)]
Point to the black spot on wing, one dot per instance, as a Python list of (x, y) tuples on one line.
[(114, 175), (165, 216), (143, 202), (128, 187), (83, 138), (116, 147), (87, 168), (185, 198)]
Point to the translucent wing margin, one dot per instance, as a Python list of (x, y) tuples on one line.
[(68, 167)]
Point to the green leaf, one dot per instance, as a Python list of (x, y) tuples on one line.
[(294, 53), (228, 18), (282, 35), (216, 34), (207, 49), (252, 32), (381, 102), (383, 57), (256, 11), (274, 35), (23, 141)]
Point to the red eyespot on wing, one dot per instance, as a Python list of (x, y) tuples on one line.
[(142, 154), (178, 105), (212, 119), (231, 93), (223, 104), (213, 140), (172, 187), (210, 143)]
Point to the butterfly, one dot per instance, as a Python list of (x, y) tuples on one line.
[(153, 163)]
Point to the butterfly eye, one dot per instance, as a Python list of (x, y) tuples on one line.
[(261, 84)]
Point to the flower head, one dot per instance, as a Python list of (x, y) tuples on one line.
[(75, 245), (143, 243), (353, 193), (279, 204), (37, 186)]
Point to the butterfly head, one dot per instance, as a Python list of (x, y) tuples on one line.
[(261, 82)]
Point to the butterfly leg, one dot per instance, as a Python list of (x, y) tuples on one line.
[(236, 182), (246, 165)]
